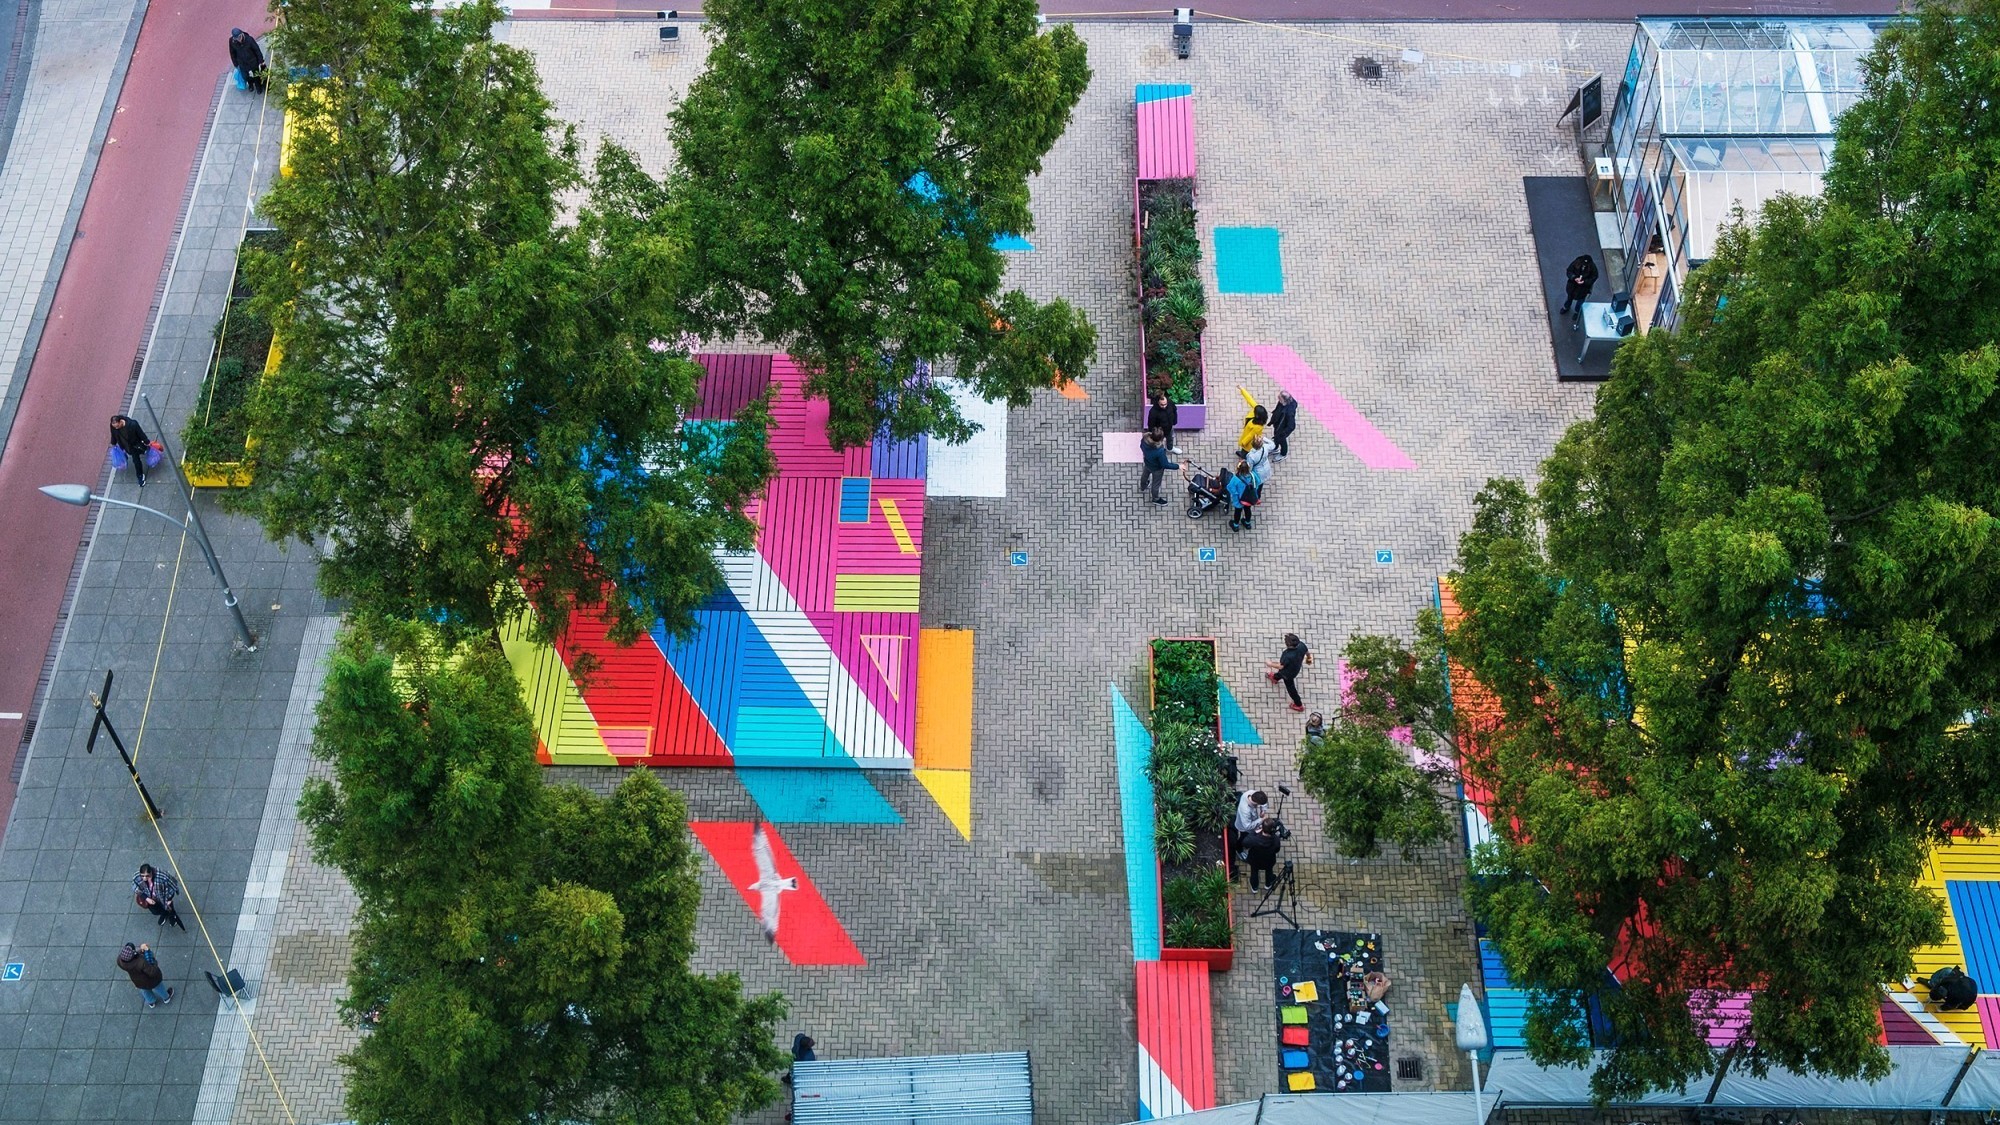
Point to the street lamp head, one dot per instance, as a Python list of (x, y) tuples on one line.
[(1471, 1030), (74, 494)]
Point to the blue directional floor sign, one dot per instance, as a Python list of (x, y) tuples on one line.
[(1384, 556), (1018, 558), (13, 970), (1205, 554)]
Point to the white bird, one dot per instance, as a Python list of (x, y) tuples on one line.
[(768, 885)]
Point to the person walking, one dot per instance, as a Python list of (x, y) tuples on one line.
[(156, 891), (248, 60), (1253, 422), (1262, 846), (1164, 416), (1284, 419), (129, 439), (1154, 448), (140, 965), (1242, 495), (1577, 281), (1286, 668)]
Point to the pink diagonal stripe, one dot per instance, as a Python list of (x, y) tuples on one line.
[(1321, 401)]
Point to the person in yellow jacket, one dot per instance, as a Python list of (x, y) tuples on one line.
[(1253, 422)]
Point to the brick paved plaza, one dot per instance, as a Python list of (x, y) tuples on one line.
[(1409, 282)]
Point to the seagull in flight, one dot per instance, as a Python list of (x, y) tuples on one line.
[(768, 885)]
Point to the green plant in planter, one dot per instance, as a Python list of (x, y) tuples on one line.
[(1184, 686), (1187, 775), (1195, 910), (219, 425), (1173, 837)]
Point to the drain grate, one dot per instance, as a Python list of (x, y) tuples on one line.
[(1410, 1068), (1366, 68)]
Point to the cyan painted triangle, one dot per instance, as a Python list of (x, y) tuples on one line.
[(1236, 726), (1012, 242)]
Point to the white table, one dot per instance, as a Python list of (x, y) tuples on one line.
[(1599, 323)]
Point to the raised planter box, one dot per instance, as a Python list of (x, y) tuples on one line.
[(225, 387), (1218, 959), (1165, 185)]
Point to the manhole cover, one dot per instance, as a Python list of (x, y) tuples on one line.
[(1366, 68)]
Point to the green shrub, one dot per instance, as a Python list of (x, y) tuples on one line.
[(1188, 779), (1173, 837), (1195, 911), (1174, 308), (219, 424), (1184, 685)]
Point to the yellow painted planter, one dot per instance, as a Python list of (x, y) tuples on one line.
[(235, 474), (296, 118)]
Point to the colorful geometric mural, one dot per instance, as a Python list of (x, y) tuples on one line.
[(808, 932), (808, 657)]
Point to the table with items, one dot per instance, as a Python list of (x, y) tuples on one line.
[(1333, 1023)]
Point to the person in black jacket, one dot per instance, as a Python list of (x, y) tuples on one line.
[(127, 436), (1262, 849), (1284, 419), (248, 59), (1286, 668), (1154, 447), (1163, 417), (1577, 280)]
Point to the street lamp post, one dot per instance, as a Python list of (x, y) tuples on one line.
[(1472, 1039), (80, 495)]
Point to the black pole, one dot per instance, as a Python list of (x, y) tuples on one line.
[(103, 722)]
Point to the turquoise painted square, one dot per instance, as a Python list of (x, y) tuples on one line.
[(1246, 260)]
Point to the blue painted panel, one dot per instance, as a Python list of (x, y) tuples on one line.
[(1236, 726), (1135, 806), (708, 664), (854, 492), (818, 796), (1975, 907), (1491, 970), (1247, 261), (1155, 92), (783, 733), (900, 460), (1507, 1017), (1012, 242)]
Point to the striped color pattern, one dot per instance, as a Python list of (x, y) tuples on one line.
[(1165, 117), (1176, 1041)]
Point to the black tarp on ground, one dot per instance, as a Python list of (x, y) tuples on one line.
[(1560, 217), (1344, 1052)]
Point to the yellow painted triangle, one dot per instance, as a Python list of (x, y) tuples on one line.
[(952, 790), (562, 719)]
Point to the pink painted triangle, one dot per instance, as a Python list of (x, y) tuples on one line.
[(886, 652), (1321, 401)]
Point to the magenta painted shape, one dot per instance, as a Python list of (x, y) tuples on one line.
[(843, 633), (1729, 1019), (1339, 416)]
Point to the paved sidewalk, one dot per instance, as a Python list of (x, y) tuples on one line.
[(205, 722)]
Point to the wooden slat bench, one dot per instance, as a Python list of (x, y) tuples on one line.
[(1176, 1038)]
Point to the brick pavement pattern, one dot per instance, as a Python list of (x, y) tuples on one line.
[(1410, 283), (79, 50)]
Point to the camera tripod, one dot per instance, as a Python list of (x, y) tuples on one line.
[(1285, 888)]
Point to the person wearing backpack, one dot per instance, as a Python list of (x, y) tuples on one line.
[(1243, 495)]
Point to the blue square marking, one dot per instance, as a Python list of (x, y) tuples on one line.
[(854, 494), (1384, 556), (13, 970), (1247, 261), (1018, 558), (1205, 554)]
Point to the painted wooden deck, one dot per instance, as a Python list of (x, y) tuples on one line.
[(1165, 119), (1176, 1038)]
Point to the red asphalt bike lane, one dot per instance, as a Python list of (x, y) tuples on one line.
[(96, 324)]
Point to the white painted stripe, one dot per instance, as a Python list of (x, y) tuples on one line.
[(1157, 1094), (1930, 1023), (840, 701), (979, 467), (9, 715)]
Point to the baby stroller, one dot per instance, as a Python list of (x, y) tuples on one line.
[(1205, 491)]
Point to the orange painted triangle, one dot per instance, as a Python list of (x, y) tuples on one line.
[(1072, 389), (885, 651)]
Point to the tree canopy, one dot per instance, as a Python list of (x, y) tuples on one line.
[(1743, 632), (522, 950), (475, 390), (842, 171)]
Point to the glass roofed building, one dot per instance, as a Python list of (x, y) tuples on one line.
[(1712, 114)]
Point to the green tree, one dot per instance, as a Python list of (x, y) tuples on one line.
[(474, 390), (1369, 785), (797, 151), (522, 950), (1744, 631)]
